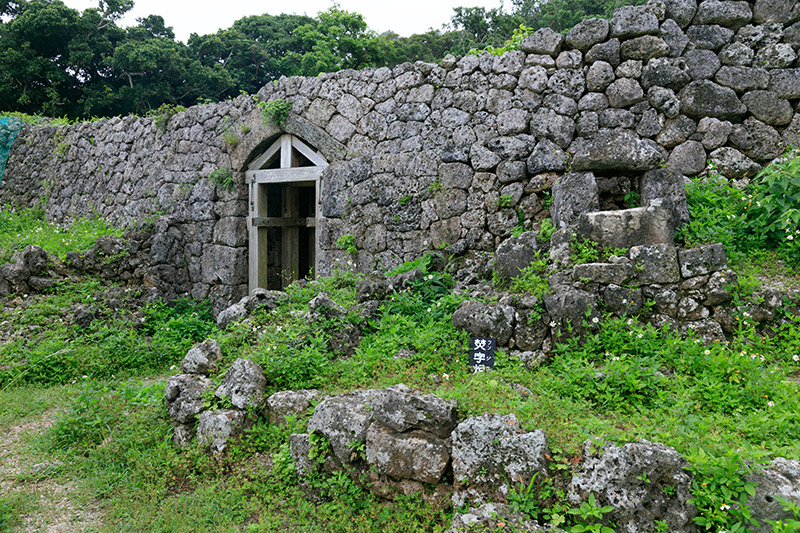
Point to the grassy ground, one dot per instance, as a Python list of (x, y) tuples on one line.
[(85, 439)]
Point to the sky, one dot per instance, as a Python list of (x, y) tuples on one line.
[(207, 16)]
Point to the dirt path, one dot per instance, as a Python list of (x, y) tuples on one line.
[(55, 508)]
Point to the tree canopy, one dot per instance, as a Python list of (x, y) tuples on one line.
[(57, 61)]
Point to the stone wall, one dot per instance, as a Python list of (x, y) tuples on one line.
[(452, 155)]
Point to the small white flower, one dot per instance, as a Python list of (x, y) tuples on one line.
[(639, 336), (697, 341), (762, 358), (796, 358), (707, 352), (172, 367), (771, 403), (615, 358), (595, 320), (790, 237), (552, 323), (630, 321), (624, 300), (445, 377), (724, 507)]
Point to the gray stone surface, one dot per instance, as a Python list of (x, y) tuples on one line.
[(781, 479), (202, 358), (573, 194), (587, 33), (633, 21), (614, 475), (707, 99), (682, 11), (289, 402), (401, 409), (543, 41), (616, 150), (628, 227), (485, 320), (217, 428), (689, 158), (768, 108), (657, 263), (702, 260), (668, 186), (343, 420), (491, 451), (184, 396), (515, 254), (733, 164), (415, 455), (243, 384)]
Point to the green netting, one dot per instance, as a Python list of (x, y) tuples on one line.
[(9, 126)]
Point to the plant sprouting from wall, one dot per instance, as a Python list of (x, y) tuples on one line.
[(163, 114), (222, 177), (275, 111), (348, 244)]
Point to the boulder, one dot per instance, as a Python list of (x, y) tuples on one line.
[(604, 273), (184, 396), (688, 158), (344, 421), (217, 428), (785, 83), (705, 98), (768, 108), (587, 33), (491, 451), (781, 479), (633, 478), (756, 140), (781, 11), (681, 11), (202, 358), (674, 36), (731, 14), (624, 92), (733, 164), (485, 320), (573, 194), (616, 150), (644, 48), (547, 156), (515, 254), (568, 308), (231, 314), (401, 409), (628, 227), (633, 21), (415, 455), (607, 51), (709, 37), (702, 64), (543, 41), (243, 384), (742, 79), (496, 516), (668, 72), (289, 402)]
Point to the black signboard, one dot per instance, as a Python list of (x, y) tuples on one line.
[(481, 353)]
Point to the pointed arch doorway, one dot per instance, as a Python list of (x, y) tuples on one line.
[(283, 213)]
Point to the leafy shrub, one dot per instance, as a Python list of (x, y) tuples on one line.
[(276, 111), (163, 113), (222, 177)]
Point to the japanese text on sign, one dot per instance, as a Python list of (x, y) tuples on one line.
[(481, 353)]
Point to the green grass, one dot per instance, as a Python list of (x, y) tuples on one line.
[(718, 405), (21, 228)]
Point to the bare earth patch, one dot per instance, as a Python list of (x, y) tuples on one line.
[(55, 510)]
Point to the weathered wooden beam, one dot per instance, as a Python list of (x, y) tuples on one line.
[(278, 222)]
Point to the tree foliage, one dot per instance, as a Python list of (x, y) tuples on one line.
[(57, 61)]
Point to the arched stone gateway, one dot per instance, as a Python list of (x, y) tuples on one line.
[(283, 210)]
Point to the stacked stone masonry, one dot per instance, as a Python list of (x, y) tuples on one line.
[(398, 442), (452, 154)]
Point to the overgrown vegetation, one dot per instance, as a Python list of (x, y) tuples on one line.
[(728, 407), (761, 217)]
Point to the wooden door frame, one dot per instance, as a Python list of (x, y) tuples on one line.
[(257, 217)]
